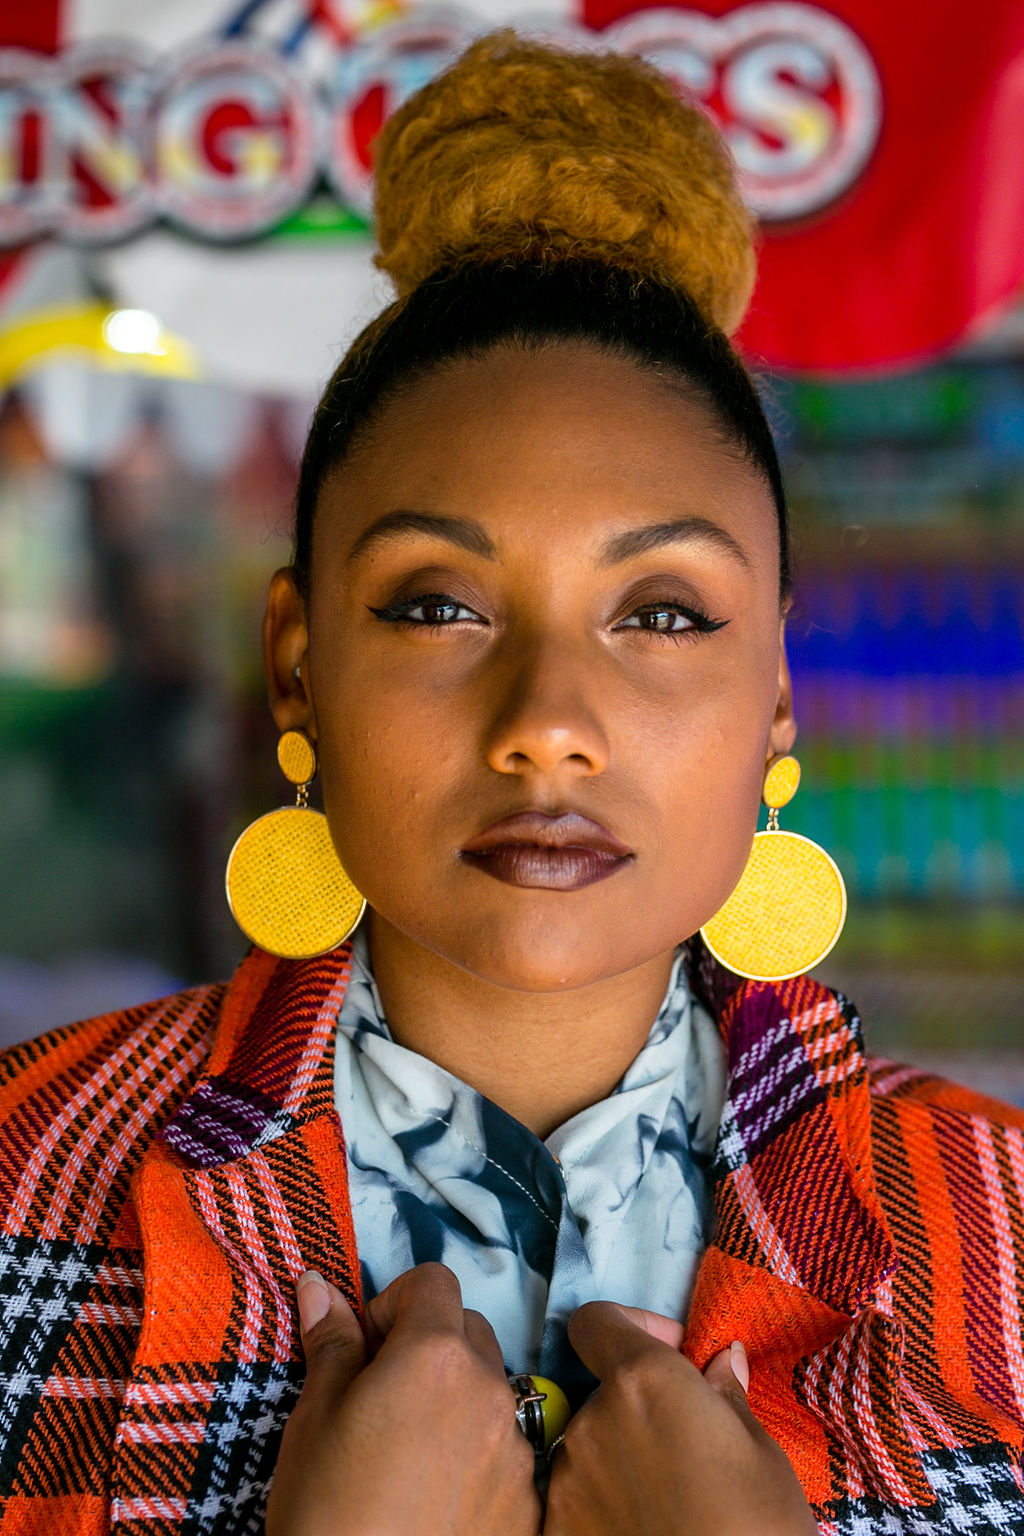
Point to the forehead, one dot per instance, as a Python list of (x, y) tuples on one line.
[(563, 442)]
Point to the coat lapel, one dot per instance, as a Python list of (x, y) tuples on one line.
[(801, 1260), (245, 1189)]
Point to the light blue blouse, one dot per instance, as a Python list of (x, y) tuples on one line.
[(613, 1205)]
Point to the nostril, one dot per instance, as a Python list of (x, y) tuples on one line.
[(528, 740)]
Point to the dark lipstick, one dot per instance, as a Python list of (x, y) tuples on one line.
[(544, 852)]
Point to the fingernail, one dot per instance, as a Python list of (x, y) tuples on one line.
[(313, 1297), (739, 1363)]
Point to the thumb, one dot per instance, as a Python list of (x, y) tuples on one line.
[(668, 1329), (729, 1373), (332, 1339), (606, 1335)]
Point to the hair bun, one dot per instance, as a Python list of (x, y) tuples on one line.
[(521, 150)]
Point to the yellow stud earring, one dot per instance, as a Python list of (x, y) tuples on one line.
[(286, 888), (790, 905)]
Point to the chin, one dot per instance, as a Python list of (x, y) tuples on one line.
[(551, 956)]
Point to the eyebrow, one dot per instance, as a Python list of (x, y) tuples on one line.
[(467, 534), (641, 541), (462, 531)]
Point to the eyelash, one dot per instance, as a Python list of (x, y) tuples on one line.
[(700, 623), (399, 613)]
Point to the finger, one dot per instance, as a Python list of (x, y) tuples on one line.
[(332, 1339), (427, 1298), (606, 1336), (668, 1329), (484, 1341), (729, 1373)]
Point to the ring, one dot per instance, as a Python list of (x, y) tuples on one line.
[(529, 1413), (542, 1410)]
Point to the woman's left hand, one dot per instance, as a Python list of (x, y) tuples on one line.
[(661, 1450)]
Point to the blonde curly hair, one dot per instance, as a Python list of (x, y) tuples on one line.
[(525, 151)]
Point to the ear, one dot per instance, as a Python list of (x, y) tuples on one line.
[(286, 656), (783, 731)]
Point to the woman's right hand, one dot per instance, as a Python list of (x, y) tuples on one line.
[(411, 1429)]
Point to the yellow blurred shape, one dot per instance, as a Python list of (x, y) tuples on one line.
[(82, 331)]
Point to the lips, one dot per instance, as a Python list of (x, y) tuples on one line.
[(543, 852)]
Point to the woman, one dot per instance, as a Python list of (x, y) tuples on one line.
[(533, 635)]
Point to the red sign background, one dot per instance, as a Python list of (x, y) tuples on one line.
[(930, 240)]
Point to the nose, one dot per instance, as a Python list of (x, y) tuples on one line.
[(546, 722)]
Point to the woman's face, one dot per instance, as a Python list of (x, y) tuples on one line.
[(543, 588)]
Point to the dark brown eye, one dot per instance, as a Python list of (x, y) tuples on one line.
[(430, 609), (665, 621), (434, 612), (671, 619)]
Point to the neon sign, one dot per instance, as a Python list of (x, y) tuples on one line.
[(227, 139)]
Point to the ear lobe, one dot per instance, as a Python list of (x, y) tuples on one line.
[(285, 655), (783, 731)]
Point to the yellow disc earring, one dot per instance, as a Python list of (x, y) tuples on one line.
[(790, 905), (286, 888)]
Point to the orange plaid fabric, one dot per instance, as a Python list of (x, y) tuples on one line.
[(166, 1173)]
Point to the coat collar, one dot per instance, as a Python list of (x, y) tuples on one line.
[(244, 1189), (800, 1261), (794, 1167), (796, 1194), (271, 1068)]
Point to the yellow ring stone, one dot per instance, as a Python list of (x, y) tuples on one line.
[(554, 1410)]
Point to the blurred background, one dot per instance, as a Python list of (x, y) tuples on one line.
[(184, 193)]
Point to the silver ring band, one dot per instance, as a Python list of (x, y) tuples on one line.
[(529, 1416)]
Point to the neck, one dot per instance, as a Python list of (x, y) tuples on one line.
[(542, 1057)]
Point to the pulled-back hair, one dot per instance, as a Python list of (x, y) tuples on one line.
[(531, 196)]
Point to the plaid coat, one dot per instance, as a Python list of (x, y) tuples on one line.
[(167, 1171)]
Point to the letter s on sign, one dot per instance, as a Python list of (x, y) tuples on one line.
[(794, 89), (779, 130)]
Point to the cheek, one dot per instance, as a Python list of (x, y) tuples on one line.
[(709, 797), (388, 764), (709, 780)]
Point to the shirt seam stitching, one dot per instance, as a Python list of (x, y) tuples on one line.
[(494, 1164)]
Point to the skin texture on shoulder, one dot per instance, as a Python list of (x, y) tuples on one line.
[(600, 635)]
